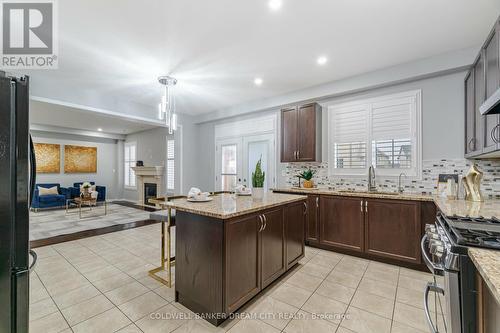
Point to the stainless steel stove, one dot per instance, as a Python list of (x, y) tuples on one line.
[(445, 251)]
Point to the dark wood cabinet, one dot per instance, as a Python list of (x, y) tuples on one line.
[(341, 222), (273, 246), (295, 216), (312, 220), (301, 133), (393, 229), (243, 261)]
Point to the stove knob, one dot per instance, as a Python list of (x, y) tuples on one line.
[(436, 246), (433, 236), (430, 228)]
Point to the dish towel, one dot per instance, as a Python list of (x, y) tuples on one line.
[(195, 192)]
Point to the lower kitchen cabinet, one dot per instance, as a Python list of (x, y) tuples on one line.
[(295, 216), (393, 229), (341, 222), (273, 246), (312, 220)]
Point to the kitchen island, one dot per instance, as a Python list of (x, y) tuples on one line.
[(231, 248)]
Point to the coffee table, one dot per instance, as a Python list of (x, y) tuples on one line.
[(89, 202)]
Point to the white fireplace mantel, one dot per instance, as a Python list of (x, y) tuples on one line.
[(146, 174)]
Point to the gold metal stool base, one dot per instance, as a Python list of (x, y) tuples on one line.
[(169, 262)]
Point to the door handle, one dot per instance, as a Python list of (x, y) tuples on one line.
[(265, 222), (261, 223), (298, 154), (366, 206), (317, 202), (35, 259), (431, 287), (305, 208), (361, 206)]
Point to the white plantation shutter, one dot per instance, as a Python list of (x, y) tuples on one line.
[(383, 132), (349, 132), (130, 160), (170, 165)]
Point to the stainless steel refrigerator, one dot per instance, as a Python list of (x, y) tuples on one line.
[(17, 179)]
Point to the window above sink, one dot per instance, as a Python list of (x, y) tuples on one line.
[(384, 132)]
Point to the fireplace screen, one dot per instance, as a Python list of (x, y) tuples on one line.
[(149, 192)]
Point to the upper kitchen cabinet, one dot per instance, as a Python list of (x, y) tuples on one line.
[(301, 133), (491, 133)]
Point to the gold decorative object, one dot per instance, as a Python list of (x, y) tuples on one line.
[(308, 184), (79, 159), (48, 157), (472, 184)]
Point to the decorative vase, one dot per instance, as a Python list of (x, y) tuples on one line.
[(258, 193), (85, 193), (308, 184)]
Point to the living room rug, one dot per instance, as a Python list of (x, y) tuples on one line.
[(55, 222)]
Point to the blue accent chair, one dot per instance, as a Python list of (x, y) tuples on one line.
[(75, 191), (50, 200)]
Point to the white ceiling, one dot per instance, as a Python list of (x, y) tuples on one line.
[(117, 48), (49, 114)]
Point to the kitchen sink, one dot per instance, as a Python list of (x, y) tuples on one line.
[(368, 192)]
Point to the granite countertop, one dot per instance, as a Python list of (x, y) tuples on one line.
[(487, 263), (225, 206)]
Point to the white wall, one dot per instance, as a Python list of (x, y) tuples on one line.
[(442, 125), (107, 162)]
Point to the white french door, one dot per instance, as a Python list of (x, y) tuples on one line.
[(236, 159)]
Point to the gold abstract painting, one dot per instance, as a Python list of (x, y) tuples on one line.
[(79, 159), (48, 157)]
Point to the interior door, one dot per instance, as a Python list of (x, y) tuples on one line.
[(255, 147), (228, 164)]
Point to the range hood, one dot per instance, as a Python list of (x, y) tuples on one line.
[(491, 105)]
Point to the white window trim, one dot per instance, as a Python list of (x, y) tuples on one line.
[(414, 173), (170, 190), (129, 144)]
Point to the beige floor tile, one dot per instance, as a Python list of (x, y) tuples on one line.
[(42, 308), (415, 274), (416, 299), (386, 276), (304, 281), (142, 305), (361, 321), (150, 283), (291, 294), (411, 283), (82, 311), (38, 294), (373, 303), (402, 328), (413, 317), (336, 291), (166, 319), (252, 326), (102, 273), (378, 288), (113, 282), (344, 330), (273, 312), (315, 270), (383, 266), (76, 296), (355, 261), (130, 329), (199, 326), (343, 278), (325, 307), (358, 271), (125, 293), (321, 260), (49, 324), (167, 293), (303, 322), (109, 321)]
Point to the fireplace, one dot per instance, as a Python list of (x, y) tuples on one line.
[(150, 192)]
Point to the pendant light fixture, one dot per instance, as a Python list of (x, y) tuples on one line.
[(166, 109)]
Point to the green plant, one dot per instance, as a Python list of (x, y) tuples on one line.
[(86, 185), (308, 174), (258, 176)]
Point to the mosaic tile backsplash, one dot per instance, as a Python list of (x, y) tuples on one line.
[(490, 185)]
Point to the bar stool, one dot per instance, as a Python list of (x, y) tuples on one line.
[(167, 217)]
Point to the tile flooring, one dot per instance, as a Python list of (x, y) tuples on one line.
[(100, 284)]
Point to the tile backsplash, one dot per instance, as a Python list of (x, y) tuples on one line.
[(490, 185)]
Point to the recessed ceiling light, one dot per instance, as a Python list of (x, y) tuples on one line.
[(275, 4), (322, 60), (99, 129), (258, 81)]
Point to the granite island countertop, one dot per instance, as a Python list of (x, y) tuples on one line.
[(226, 206), (487, 263)]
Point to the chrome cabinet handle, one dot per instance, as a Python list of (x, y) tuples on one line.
[(261, 223), (471, 141), (305, 208), (265, 222), (298, 154), (317, 202), (361, 206), (495, 134), (366, 206), (431, 287), (35, 259)]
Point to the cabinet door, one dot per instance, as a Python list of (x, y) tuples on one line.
[(242, 260), (491, 133), (307, 133), (470, 113), (341, 222), (289, 135), (312, 225), (273, 246), (295, 216), (479, 97), (393, 229)]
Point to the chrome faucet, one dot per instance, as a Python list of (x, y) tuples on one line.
[(400, 187), (371, 179)]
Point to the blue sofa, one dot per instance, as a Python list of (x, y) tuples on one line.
[(50, 200), (75, 191)]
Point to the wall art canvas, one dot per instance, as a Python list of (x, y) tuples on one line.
[(48, 157), (79, 159)]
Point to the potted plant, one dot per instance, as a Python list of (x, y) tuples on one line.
[(258, 178), (86, 190), (307, 176)]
